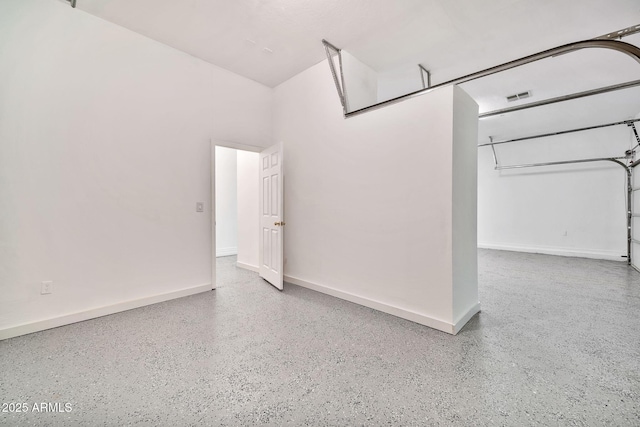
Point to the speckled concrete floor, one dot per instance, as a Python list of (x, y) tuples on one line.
[(557, 343)]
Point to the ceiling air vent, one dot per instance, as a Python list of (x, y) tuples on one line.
[(517, 96)]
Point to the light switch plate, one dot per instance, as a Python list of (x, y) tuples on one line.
[(47, 288), (199, 206)]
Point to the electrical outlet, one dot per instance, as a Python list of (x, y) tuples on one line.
[(47, 288), (199, 206)]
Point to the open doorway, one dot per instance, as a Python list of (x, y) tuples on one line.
[(236, 215)]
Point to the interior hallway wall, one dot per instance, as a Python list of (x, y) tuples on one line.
[(226, 201), (360, 81), (248, 209), (104, 152), (398, 81), (370, 200)]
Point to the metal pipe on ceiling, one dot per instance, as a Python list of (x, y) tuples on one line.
[(625, 32), (619, 46), (563, 162), (562, 132)]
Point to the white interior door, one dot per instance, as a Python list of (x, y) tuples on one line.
[(271, 218)]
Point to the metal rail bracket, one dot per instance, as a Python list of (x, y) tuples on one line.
[(328, 48)]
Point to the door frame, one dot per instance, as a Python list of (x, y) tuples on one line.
[(212, 151), (631, 209)]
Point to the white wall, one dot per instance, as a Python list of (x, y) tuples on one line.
[(248, 209), (399, 81), (361, 83), (575, 210), (464, 205), (226, 201), (104, 151), (562, 210), (369, 199)]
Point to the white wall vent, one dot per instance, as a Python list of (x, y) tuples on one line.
[(517, 96)]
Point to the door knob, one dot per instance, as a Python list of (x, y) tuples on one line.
[(279, 223)]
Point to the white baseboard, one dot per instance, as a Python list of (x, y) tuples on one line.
[(226, 252), (67, 319), (465, 318), (569, 252), (249, 267), (422, 319)]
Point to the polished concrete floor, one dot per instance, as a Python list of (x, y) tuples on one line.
[(557, 343)]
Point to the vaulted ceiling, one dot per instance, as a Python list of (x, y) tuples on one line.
[(270, 41)]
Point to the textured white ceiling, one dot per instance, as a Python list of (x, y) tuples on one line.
[(233, 34), (270, 41), (449, 37)]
